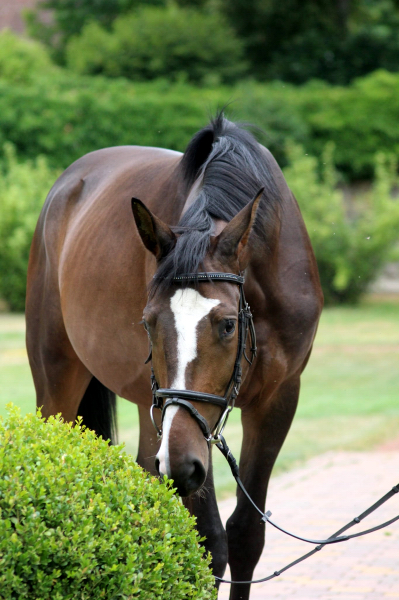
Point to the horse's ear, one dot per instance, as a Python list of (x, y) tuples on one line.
[(232, 242), (156, 236)]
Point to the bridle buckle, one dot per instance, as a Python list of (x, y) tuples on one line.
[(221, 424)]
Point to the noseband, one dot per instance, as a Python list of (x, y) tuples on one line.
[(183, 398)]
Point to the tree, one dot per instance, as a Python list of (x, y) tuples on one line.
[(297, 40)]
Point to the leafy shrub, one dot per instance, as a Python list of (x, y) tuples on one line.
[(156, 42), (68, 17), (358, 119), (21, 60), (23, 188), (80, 519), (298, 40), (351, 240), (70, 116)]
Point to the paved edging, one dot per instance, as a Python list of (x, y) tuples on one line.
[(316, 500)]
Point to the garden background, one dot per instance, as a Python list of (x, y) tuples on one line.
[(318, 79)]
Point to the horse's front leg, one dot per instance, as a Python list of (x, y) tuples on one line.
[(203, 505), (265, 428)]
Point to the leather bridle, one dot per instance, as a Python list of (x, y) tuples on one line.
[(183, 398)]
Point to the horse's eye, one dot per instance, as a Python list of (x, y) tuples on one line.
[(227, 327)]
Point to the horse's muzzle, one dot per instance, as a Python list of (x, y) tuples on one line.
[(188, 475)]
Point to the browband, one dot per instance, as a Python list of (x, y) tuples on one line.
[(231, 277)]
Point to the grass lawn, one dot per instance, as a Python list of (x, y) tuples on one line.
[(349, 398)]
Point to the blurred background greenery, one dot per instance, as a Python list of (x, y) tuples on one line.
[(319, 78)]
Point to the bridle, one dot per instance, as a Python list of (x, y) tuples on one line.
[(183, 398)]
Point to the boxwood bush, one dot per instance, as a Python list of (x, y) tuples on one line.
[(79, 519)]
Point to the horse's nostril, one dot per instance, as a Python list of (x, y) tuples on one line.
[(157, 465), (189, 477), (199, 474)]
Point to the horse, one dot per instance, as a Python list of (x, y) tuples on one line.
[(103, 265)]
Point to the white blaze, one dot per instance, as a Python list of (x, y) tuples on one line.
[(188, 308)]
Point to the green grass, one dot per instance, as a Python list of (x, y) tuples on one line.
[(349, 398)]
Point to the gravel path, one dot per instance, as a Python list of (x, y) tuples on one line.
[(317, 500)]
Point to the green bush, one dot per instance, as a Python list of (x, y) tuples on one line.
[(297, 40), (21, 60), (351, 239), (68, 117), (359, 119), (68, 17), (80, 519), (23, 188), (171, 42)]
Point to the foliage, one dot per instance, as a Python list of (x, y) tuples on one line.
[(294, 40), (63, 115), (22, 60), (286, 40), (351, 240), (80, 519), (358, 119), (171, 42), (23, 188), (74, 115), (66, 18), (297, 40)]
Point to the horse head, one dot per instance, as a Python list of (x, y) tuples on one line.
[(197, 339)]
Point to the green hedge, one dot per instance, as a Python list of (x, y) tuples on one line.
[(69, 118), (80, 519), (63, 116), (49, 112), (360, 119)]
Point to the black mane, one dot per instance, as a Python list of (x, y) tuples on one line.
[(233, 169)]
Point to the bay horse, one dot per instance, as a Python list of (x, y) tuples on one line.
[(221, 207)]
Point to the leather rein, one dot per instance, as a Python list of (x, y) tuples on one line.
[(182, 398)]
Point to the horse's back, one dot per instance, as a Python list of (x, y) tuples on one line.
[(102, 181), (123, 167)]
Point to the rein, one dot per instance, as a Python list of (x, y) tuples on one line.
[(335, 538), (182, 398)]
